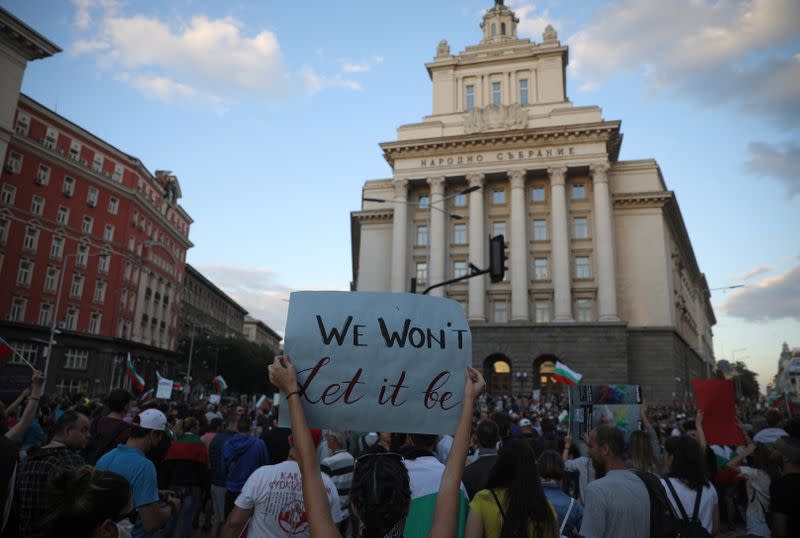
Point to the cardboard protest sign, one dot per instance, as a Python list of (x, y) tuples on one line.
[(164, 390), (594, 405), (369, 361), (715, 399)]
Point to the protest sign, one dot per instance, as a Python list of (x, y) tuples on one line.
[(594, 405), (715, 399), (369, 361), (214, 399), (164, 390)]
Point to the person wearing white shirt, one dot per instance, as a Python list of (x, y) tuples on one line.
[(686, 480)]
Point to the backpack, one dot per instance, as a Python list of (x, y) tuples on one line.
[(690, 526), (97, 445), (664, 522)]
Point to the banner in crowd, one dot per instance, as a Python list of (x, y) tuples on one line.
[(594, 405), (716, 400), (164, 388), (369, 361)]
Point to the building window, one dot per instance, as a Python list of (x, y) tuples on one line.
[(583, 268), (460, 200), (63, 215), (131, 243), (135, 219), (460, 234), (5, 225), (498, 196), (97, 164), (76, 359), (542, 307), (103, 263), (460, 269), (50, 138), (422, 236), (131, 301), (108, 233), (45, 314), (498, 228), (494, 29), (113, 205), (71, 320), (538, 193), (469, 95), (496, 97), (502, 28), (424, 201), (8, 194), (28, 350), (540, 230), (69, 186), (17, 312), (31, 239), (500, 311), (76, 289), (82, 256), (578, 191), (86, 226), (74, 150), (14, 162), (23, 122), (541, 269), (422, 273), (72, 386), (91, 197), (51, 279), (57, 247), (100, 292), (25, 273), (123, 301), (43, 175), (94, 322), (580, 228), (584, 310), (117, 173), (523, 91), (37, 205), (127, 270)]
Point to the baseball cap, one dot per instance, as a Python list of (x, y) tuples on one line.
[(524, 422), (152, 419)]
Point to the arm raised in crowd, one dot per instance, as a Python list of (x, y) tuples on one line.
[(701, 435), (447, 501), (283, 375), (36, 391)]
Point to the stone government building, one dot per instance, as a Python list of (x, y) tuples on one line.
[(601, 271)]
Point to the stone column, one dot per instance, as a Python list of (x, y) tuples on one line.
[(604, 245), (519, 247), (476, 302), (400, 282), (561, 273), (437, 244)]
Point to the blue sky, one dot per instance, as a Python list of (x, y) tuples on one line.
[(270, 113)]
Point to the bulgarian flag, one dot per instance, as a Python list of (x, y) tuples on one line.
[(219, 384), (563, 419), (133, 375), (566, 375), (424, 476), (263, 403), (6, 351)]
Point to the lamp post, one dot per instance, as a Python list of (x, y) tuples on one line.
[(521, 377), (53, 324)]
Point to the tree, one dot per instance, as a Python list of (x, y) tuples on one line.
[(746, 379), (242, 363)]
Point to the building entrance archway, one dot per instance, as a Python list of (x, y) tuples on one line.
[(543, 368), (497, 372)]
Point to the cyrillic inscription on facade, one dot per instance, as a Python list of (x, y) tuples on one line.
[(515, 155)]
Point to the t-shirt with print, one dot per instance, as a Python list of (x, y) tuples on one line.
[(275, 494), (783, 494), (687, 498)]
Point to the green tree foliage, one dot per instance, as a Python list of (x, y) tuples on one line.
[(748, 384), (242, 363)]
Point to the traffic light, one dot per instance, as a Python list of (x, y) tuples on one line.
[(497, 258)]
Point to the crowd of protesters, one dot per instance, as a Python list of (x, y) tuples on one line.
[(119, 466)]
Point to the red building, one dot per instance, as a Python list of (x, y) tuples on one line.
[(93, 240)]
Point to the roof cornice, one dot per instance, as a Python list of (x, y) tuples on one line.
[(28, 42)]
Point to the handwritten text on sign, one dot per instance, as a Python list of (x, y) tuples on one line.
[(378, 361)]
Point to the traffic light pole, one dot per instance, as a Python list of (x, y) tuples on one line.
[(497, 266), (474, 272)]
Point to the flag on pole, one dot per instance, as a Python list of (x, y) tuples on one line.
[(7, 351), (563, 419), (133, 375), (566, 375), (219, 384), (263, 403)]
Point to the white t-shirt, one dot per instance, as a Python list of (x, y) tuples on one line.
[(275, 494), (757, 500), (687, 497)]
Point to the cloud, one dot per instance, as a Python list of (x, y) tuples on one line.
[(770, 299), (769, 160), (361, 67), (714, 51), (530, 24), (314, 82), (747, 275), (86, 46), (84, 9)]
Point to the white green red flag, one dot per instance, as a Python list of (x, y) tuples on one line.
[(263, 403), (566, 375), (219, 384), (175, 385), (133, 375)]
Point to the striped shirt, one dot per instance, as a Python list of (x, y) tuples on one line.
[(339, 466)]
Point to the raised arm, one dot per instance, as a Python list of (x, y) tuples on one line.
[(283, 375), (37, 389), (701, 434), (741, 456), (445, 521), (11, 409)]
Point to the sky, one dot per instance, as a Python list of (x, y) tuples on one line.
[(270, 113)]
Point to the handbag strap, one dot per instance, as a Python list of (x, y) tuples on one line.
[(499, 506), (566, 516), (684, 515), (697, 504)]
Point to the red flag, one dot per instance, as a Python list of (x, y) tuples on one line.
[(6, 351), (715, 399)]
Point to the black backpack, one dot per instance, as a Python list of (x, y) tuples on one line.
[(664, 522), (689, 527)]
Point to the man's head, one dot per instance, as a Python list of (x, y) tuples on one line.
[(231, 419), (487, 434), (426, 441), (243, 424), (503, 422), (774, 418), (148, 429), (550, 465), (606, 446), (336, 440), (119, 400), (525, 425), (789, 450), (72, 429)]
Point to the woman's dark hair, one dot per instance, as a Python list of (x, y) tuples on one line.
[(380, 493), (215, 425), (525, 503), (766, 459), (550, 466), (688, 461), (81, 499), (641, 452)]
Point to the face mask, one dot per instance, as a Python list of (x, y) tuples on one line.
[(124, 529)]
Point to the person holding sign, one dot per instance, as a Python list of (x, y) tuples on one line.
[(282, 374)]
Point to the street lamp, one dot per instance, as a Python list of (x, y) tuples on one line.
[(53, 329), (521, 377)]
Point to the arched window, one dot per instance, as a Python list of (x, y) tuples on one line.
[(494, 29), (502, 28), (497, 371)]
